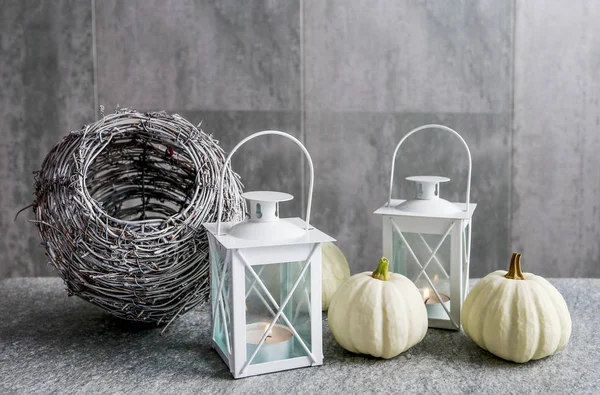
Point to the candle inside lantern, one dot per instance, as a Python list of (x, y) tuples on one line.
[(277, 345), (434, 304)]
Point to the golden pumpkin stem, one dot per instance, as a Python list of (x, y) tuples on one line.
[(514, 270), (381, 273)]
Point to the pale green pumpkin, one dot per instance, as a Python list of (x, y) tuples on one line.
[(380, 313), (516, 316), (335, 271)]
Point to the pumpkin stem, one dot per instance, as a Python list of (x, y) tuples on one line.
[(514, 270), (381, 273)]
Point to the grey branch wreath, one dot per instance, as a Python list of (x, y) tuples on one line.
[(119, 205)]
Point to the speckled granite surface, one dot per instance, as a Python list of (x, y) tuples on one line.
[(52, 344)]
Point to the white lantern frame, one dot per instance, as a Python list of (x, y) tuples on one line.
[(456, 225), (242, 255)]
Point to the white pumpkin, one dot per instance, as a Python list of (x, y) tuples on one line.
[(380, 313), (335, 271), (516, 316)]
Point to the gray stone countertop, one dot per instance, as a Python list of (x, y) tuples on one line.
[(52, 344)]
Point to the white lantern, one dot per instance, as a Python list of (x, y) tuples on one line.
[(428, 239), (266, 283)]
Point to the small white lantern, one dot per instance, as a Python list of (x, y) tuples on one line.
[(428, 239), (266, 283)]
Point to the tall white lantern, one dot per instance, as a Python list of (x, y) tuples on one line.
[(266, 283), (428, 239)]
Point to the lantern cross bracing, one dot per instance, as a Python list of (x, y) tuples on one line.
[(279, 308), (433, 258), (421, 246)]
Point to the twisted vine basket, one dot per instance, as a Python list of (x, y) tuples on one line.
[(119, 205)]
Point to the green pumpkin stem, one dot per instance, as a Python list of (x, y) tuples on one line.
[(514, 270), (381, 273)]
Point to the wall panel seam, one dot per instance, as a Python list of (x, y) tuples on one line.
[(302, 109), (512, 127), (94, 60)]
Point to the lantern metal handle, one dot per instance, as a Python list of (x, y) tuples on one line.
[(432, 126), (258, 134)]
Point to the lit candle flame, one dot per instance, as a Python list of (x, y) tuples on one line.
[(426, 293), (267, 327)]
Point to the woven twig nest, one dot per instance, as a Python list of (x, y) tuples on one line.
[(119, 206)]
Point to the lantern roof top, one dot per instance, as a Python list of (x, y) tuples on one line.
[(267, 196), (229, 241), (428, 179), (397, 208)]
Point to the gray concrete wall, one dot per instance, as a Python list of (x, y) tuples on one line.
[(518, 79)]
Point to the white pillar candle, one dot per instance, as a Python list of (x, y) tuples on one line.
[(277, 345)]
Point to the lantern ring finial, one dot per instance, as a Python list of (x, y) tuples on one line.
[(432, 126), (227, 167)]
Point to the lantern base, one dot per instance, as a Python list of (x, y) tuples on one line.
[(442, 324), (275, 366)]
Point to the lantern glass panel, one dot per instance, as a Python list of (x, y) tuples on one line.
[(222, 324), (437, 267), (278, 282)]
